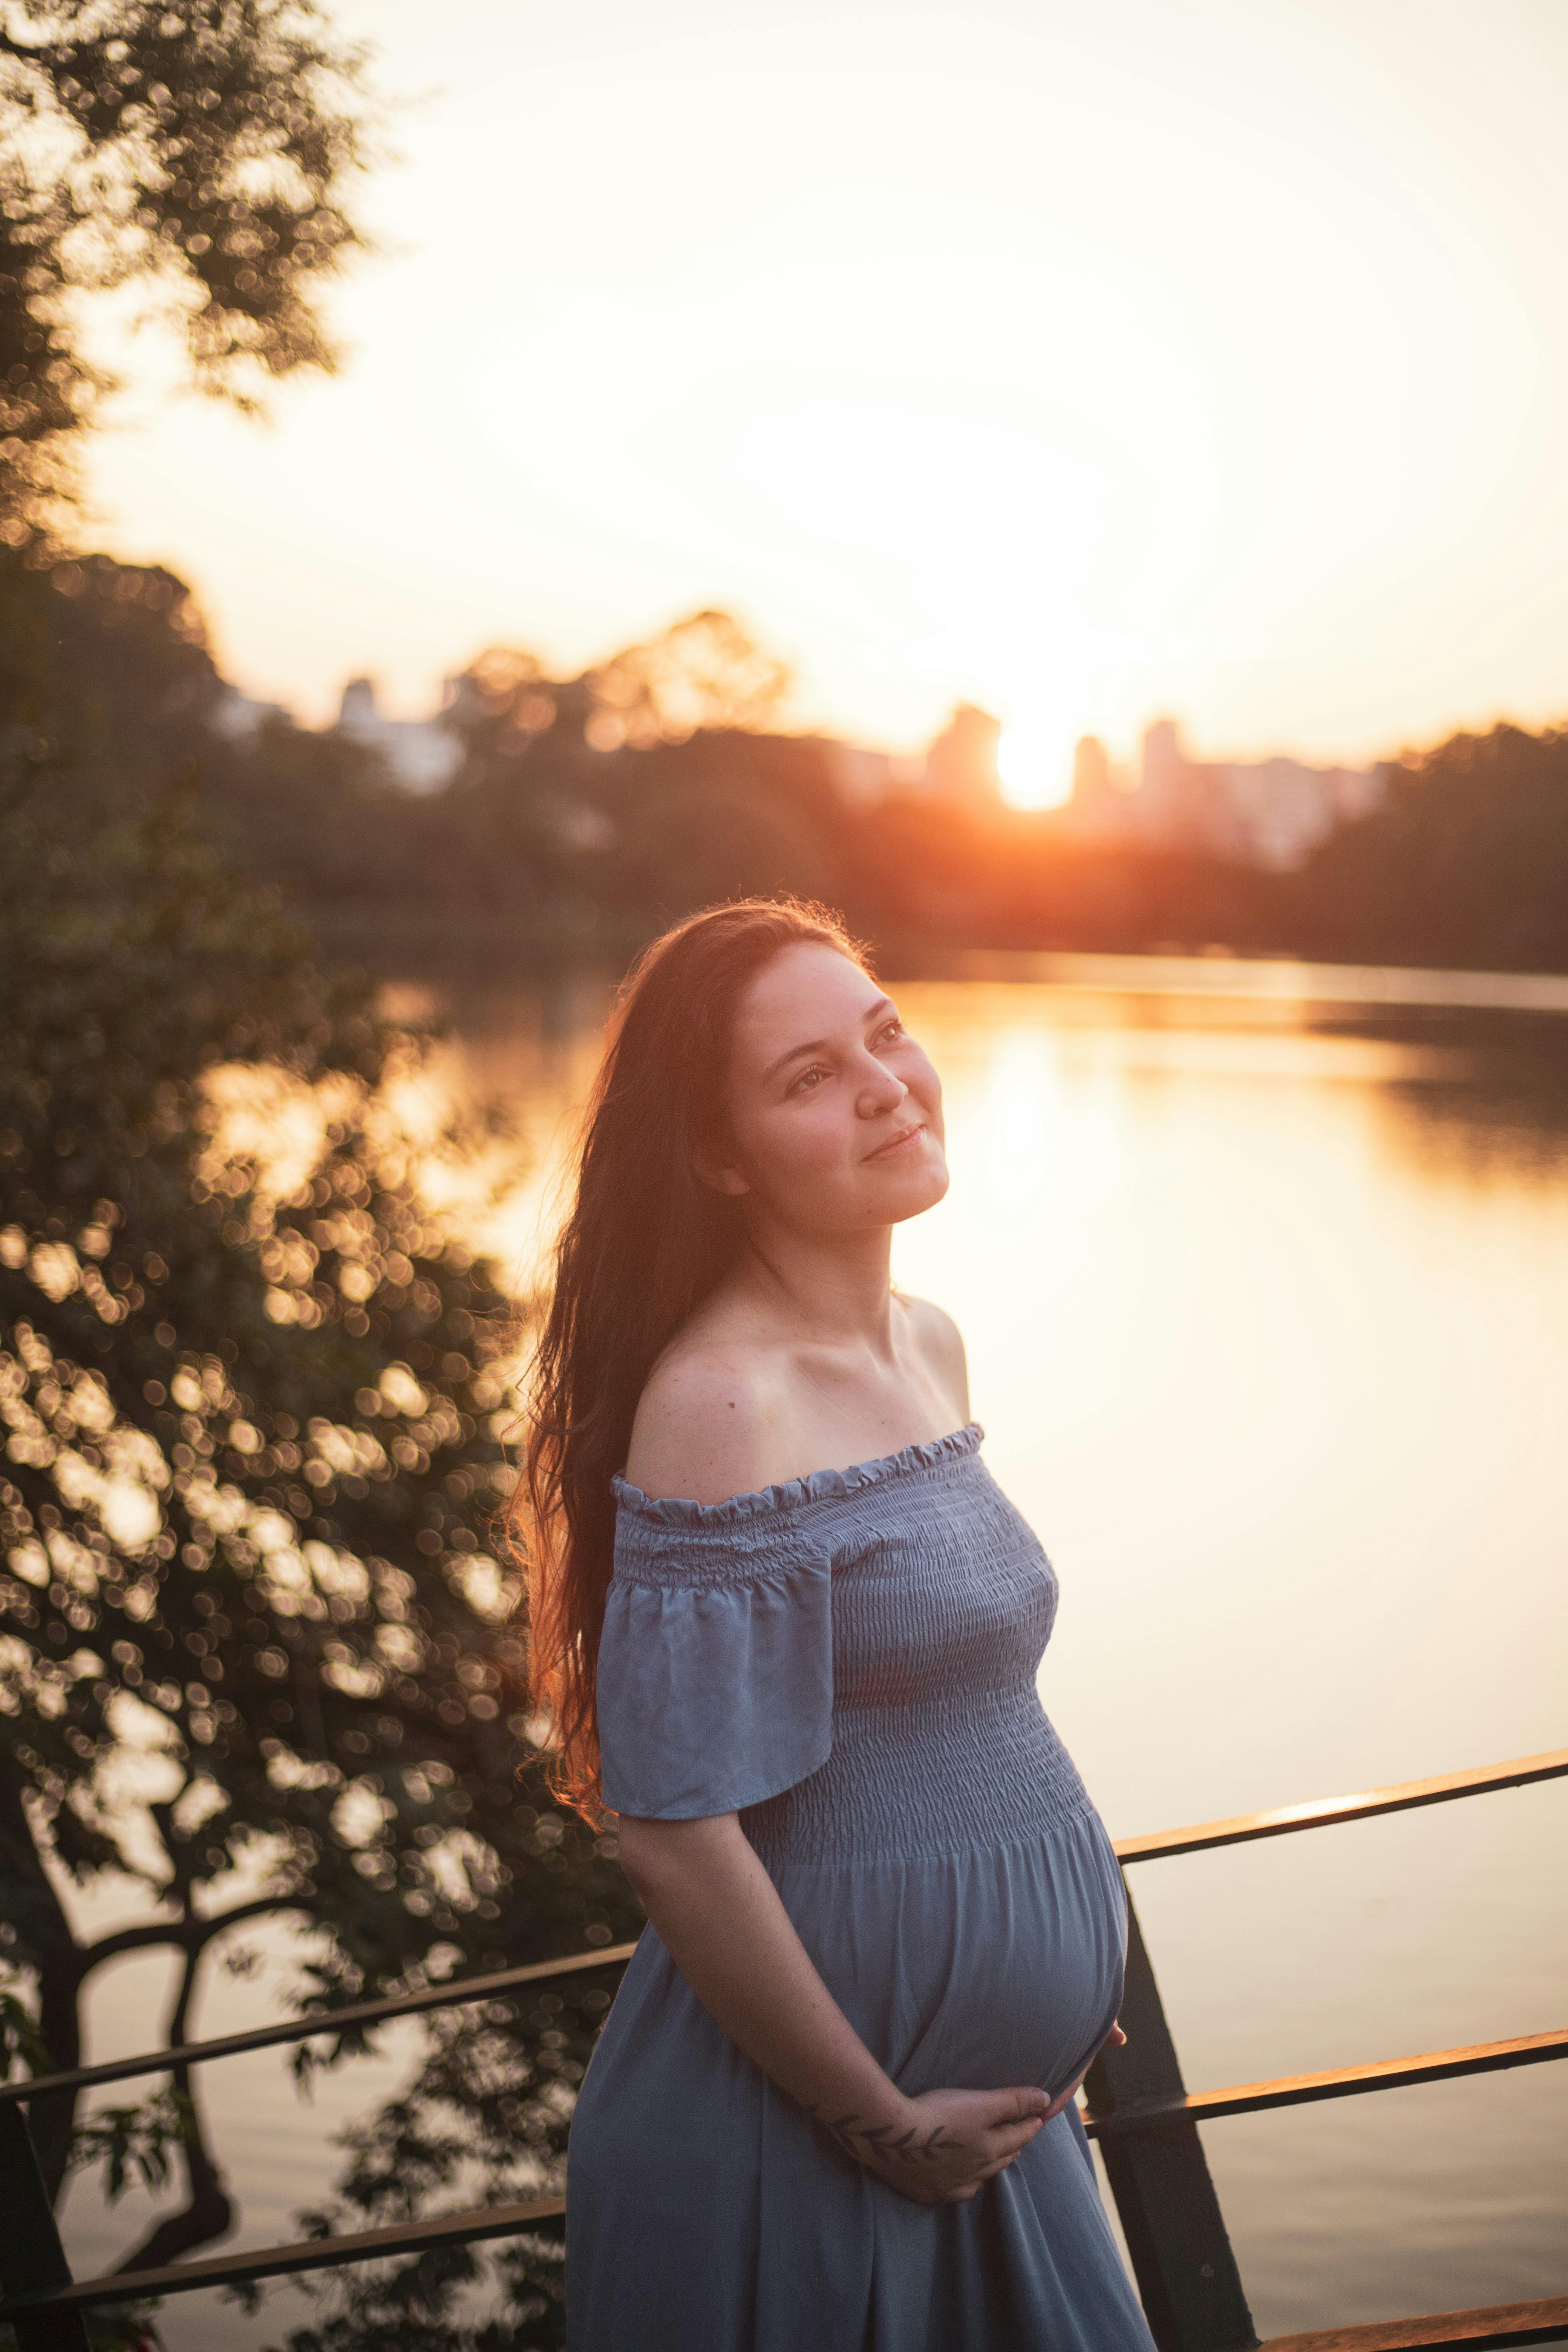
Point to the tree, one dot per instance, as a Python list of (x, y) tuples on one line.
[(703, 672), (201, 151), (1464, 863), (110, 658), (488, 2110), (110, 663), (587, 809), (253, 1649), (726, 812)]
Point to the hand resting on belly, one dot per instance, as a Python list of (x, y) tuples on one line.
[(720, 1918)]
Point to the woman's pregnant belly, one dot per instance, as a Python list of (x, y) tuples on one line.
[(975, 1970)]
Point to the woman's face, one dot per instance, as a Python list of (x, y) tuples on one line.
[(835, 1111)]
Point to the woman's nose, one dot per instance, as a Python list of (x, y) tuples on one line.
[(883, 1091)]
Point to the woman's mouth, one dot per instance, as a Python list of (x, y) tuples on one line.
[(903, 1141)]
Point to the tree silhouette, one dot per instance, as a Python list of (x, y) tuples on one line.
[(202, 152), (703, 672), (1465, 863), (253, 1652)]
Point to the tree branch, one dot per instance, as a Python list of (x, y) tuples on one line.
[(192, 1934), (48, 1944), (207, 2211)]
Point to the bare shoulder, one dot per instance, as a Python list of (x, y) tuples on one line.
[(706, 1423), (940, 1343)]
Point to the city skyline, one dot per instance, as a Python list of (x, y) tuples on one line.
[(1271, 813), (412, 744), (1084, 373)]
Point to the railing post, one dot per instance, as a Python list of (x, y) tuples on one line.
[(1176, 2233), (31, 2254)]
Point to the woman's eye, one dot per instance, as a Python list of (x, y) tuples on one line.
[(889, 1029), (808, 1079)]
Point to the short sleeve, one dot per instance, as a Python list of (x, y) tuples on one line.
[(715, 1673)]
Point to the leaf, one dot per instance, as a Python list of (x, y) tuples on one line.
[(136, 2142), (19, 2037)]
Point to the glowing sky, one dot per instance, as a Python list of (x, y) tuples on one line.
[(1086, 361)]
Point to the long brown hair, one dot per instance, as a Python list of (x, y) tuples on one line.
[(645, 1241)]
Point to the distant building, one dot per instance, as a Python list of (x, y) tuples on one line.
[(1100, 805), (863, 777), (239, 716), (1091, 771), (1164, 765), (1180, 802), (1271, 813), (1283, 809), (960, 766), (422, 755)]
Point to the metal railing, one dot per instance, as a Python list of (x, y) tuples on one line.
[(1140, 2110), (1146, 2120)]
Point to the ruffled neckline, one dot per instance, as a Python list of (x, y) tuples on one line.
[(820, 1485)]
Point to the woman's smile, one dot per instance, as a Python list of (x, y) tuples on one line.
[(903, 1141)]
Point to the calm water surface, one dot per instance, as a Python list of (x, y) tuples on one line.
[(1266, 1293)]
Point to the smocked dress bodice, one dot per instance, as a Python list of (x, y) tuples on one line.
[(850, 1659)]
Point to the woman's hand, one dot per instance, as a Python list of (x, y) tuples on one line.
[(946, 2143), (949, 2142)]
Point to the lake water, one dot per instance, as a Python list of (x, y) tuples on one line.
[(1264, 1277)]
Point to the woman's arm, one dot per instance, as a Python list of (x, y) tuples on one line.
[(720, 1918)]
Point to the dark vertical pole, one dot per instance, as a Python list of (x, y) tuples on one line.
[(1176, 2233), (31, 2254)]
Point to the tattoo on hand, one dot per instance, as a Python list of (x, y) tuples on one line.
[(864, 2141)]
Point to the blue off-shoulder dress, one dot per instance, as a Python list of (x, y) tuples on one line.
[(849, 1662)]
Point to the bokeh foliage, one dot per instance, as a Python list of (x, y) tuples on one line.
[(199, 154), (255, 1654)]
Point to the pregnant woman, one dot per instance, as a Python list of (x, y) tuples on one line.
[(786, 1626)]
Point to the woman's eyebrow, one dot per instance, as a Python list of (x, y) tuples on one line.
[(820, 1045), (817, 1045)]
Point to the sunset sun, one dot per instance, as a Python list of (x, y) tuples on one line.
[(1033, 762)]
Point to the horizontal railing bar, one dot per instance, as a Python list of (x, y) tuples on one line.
[(1499, 2324), (1236, 1831), (304, 2254), (1402, 1798), (1337, 2083), (305, 2029)]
